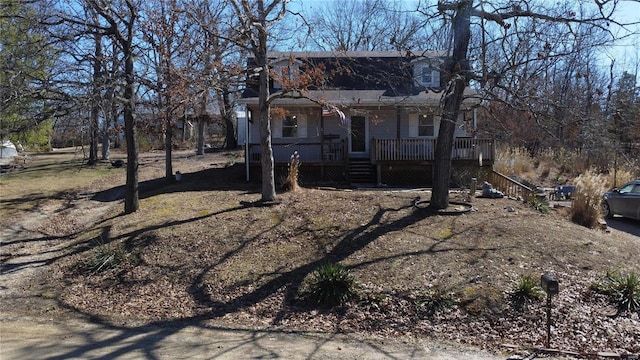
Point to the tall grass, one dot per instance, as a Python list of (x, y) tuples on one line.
[(560, 166), (585, 209), (293, 172), (620, 176), (513, 161)]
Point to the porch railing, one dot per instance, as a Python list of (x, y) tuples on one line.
[(308, 152), (509, 186), (424, 149)]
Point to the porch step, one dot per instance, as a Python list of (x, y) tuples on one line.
[(361, 171)]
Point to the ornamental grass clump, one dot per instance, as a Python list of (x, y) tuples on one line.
[(434, 300), (513, 161), (622, 290), (587, 199), (104, 257), (332, 285), (293, 172), (525, 292)]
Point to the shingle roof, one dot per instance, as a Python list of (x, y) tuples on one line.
[(355, 54), (360, 98)]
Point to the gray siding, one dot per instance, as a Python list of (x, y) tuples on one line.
[(382, 124)]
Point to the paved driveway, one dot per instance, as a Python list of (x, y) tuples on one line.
[(628, 226), (34, 339)]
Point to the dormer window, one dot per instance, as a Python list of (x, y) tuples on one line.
[(284, 72), (426, 74)]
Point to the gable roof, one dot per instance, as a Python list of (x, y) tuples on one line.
[(389, 71)]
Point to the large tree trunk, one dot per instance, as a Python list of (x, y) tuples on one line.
[(95, 98), (229, 121), (106, 143), (268, 177), (201, 126), (168, 148), (131, 200), (456, 71)]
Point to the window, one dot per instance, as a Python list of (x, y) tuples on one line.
[(423, 125), (426, 74), (284, 72), (626, 189), (426, 125), (290, 126)]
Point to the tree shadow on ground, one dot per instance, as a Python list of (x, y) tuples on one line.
[(216, 178), (147, 338)]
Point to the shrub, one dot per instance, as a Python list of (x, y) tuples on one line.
[(539, 204), (586, 205), (293, 173), (622, 290), (524, 292), (104, 257), (434, 300), (332, 285)]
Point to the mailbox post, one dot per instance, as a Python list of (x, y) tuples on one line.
[(550, 285)]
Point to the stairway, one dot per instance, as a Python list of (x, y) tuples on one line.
[(361, 171)]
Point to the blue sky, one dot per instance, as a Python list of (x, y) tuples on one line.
[(625, 52)]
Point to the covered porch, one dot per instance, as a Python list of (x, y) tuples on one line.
[(381, 150), (398, 150)]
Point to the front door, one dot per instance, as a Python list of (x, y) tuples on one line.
[(358, 136)]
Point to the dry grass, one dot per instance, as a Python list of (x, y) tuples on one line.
[(619, 177), (203, 249), (516, 161), (552, 167), (585, 208)]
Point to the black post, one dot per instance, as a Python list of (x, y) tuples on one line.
[(548, 321), (550, 285)]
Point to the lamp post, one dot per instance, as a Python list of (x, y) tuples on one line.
[(550, 286)]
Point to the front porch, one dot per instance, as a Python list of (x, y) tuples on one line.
[(381, 150), (396, 161)]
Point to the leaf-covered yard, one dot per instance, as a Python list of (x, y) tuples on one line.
[(203, 249)]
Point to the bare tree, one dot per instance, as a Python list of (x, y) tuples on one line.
[(218, 68), (168, 35), (121, 17), (508, 17), (365, 25), (255, 18)]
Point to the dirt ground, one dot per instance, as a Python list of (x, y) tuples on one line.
[(40, 320), (33, 325)]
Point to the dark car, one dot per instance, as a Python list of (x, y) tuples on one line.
[(624, 201)]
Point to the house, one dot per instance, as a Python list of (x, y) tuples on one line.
[(372, 118)]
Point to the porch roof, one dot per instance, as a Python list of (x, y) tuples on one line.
[(361, 98)]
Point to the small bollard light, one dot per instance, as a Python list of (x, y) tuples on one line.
[(550, 285)]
